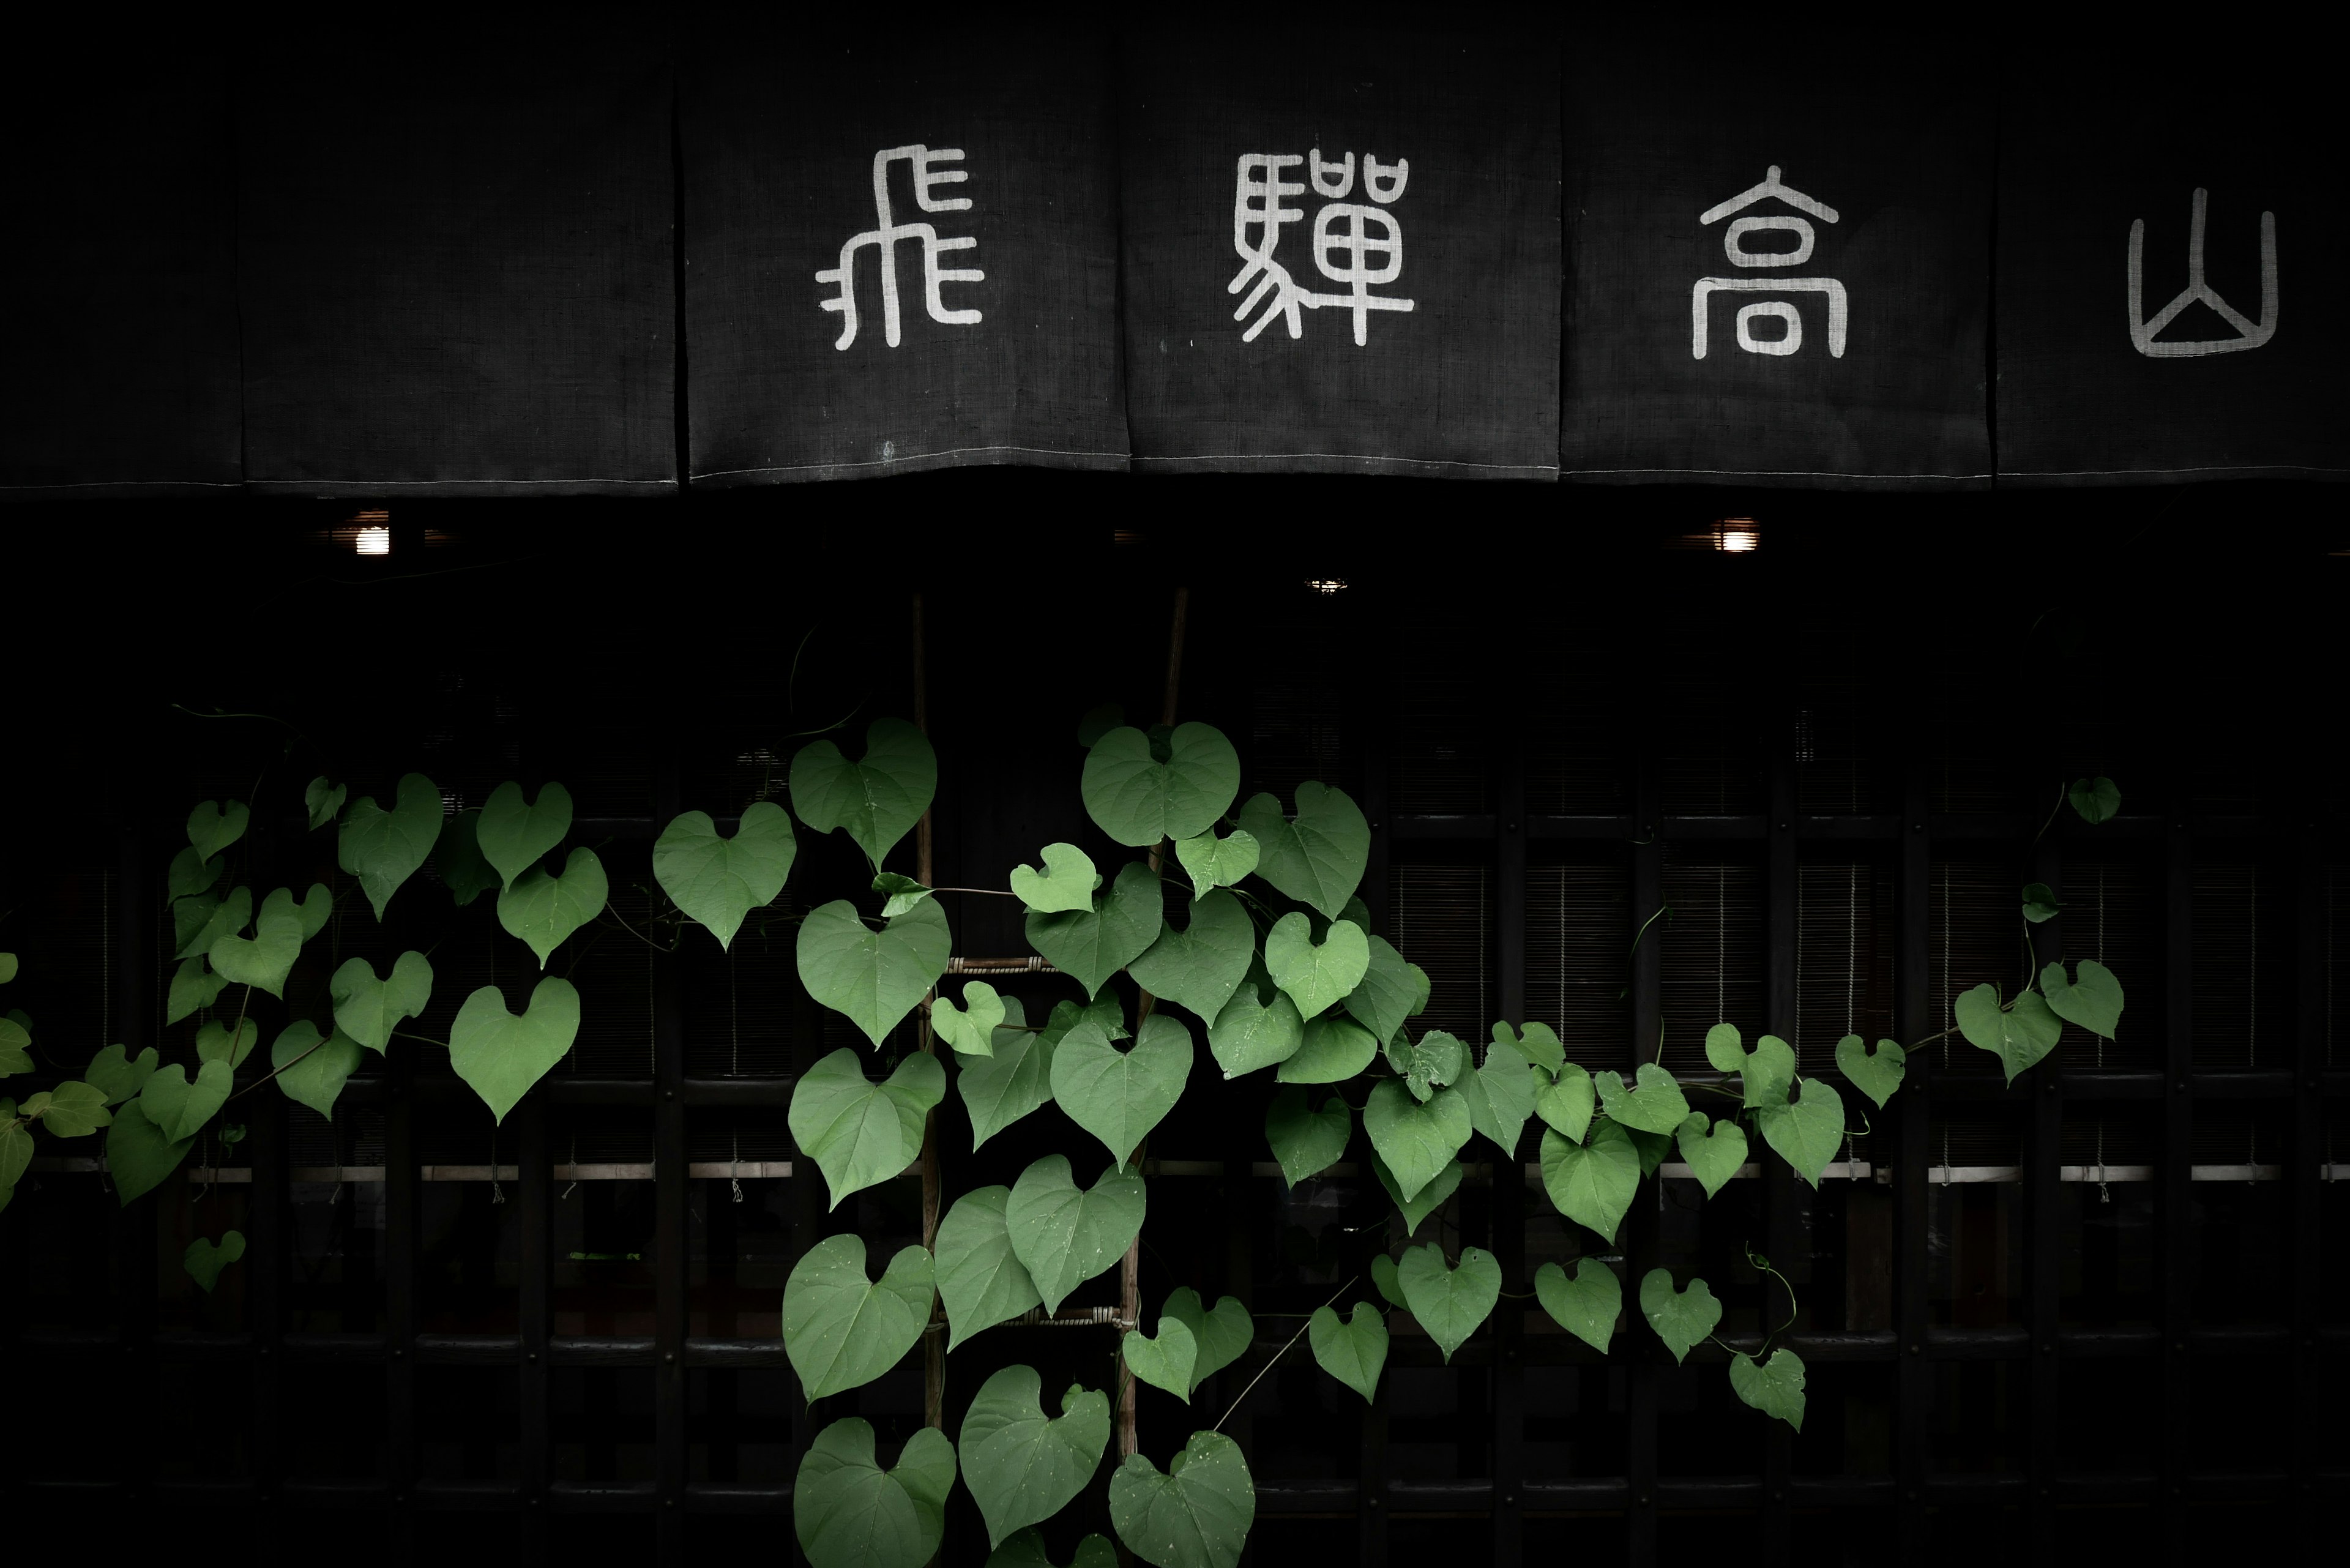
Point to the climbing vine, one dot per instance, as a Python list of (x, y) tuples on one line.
[(1271, 964)]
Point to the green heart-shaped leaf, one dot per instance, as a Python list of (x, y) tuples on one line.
[(2093, 1000), (1775, 1387), (1306, 1141), (859, 1132), (322, 800), (216, 1042), (1213, 862), (1807, 1132), (1592, 1182), (981, 1283), (1765, 1074), (213, 826), (1875, 1076), (138, 1156), (841, 1329), (2040, 903), (1027, 1550), (1424, 1202), (873, 977), (1065, 885), (1247, 1035), (1586, 1303), (2019, 1036), (1120, 1096), (1064, 1234), (1383, 1275), (999, 1089), (903, 893), (849, 1513), (457, 860), (312, 1069), (1449, 1302), (501, 1054), (970, 1030), (205, 1258), (368, 1009), (1655, 1103), (1538, 1043), (2097, 799), (198, 923), (1416, 1141), (1091, 945), (264, 959), (1501, 1097), (719, 881), (1352, 1349), (515, 833), (876, 801), (117, 1075), (1331, 1049), (1165, 1362), (540, 910), (1566, 1104), (190, 873), (1200, 965), (1315, 975), (383, 848), (15, 1048), (1683, 1319), (1195, 1516), (1139, 800), (1712, 1158), (1319, 858), (1436, 1060), (1388, 993), (1222, 1334), (177, 1107), (72, 1109), (1022, 1466), (315, 908), (193, 989)]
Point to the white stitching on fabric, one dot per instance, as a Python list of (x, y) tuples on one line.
[(902, 462)]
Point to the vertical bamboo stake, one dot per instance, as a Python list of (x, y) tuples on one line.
[(934, 1353), (1130, 1272)]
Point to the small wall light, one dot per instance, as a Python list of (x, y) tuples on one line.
[(1739, 535), (1326, 585)]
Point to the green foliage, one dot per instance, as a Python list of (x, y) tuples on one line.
[(1315, 975), (1806, 1132), (192, 990), (368, 1009), (1592, 1182), (1876, 1074), (1329, 1050), (2040, 903), (383, 848), (7, 968), (1021, 1465), (970, 1030), (1120, 1096), (190, 873), (1655, 1103), (1248, 1034), (1774, 1387), (1027, 1550), (1538, 1043), (322, 801), (1354, 1349), (2093, 1000), (719, 881), (901, 893), (114, 1074), (178, 1106), (1065, 885), (138, 1154), (1424, 1202), (198, 923), (204, 1259), (1416, 1141), (859, 1132), (16, 1048), (1138, 799), (2097, 799), (981, 1282), (1383, 1277), (220, 1042), (849, 1513), (1223, 1334), (312, 1069), (458, 859), (264, 959), (540, 909), (841, 1329), (1200, 965), (72, 1109), (875, 800), (1092, 944), (1318, 858), (1449, 1302), (1682, 1318), (1165, 1362), (1196, 1515), (1765, 1074), (1713, 1158), (1586, 1303), (1213, 862), (514, 832), (1064, 1234), (1307, 1141), (213, 826), (1017, 1078), (1434, 1061), (1567, 1103), (501, 1054), (873, 977), (2019, 1035), (1391, 990)]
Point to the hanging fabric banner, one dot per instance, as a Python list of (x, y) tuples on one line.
[(1341, 250), (456, 266), (122, 354), (1777, 276), (2168, 306), (901, 254)]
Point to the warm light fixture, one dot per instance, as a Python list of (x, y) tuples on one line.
[(1737, 534), (375, 541), (1326, 585), (364, 533)]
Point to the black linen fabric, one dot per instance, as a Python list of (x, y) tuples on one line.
[(901, 252), (1397, 164), (2126, 353), (120, 266), (1701, 162), (457, 271)]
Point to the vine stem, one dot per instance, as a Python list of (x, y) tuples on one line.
[(1275, 1359)]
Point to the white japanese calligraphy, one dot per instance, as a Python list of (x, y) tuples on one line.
[(1357, 245), (887, 231), (2249, 334), (1789, 336)]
